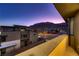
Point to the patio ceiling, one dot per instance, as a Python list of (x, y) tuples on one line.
[(67, 9)]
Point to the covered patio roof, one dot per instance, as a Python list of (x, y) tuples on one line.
[(67, 9)]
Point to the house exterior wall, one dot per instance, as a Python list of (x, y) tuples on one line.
[(26, 33), (33, 36), (11, 35), (12, 38), (20, 37), (16, 44)]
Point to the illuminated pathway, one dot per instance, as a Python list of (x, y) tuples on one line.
[(70, 52), (63, 49), (55, 47)]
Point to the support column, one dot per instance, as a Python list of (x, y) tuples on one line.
[(76, 32), (70, 28)]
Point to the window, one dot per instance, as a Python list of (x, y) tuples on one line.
[(71, 26), (34, 34), (2, 39), (22, 29), (0, 33), (3, 51), (24, 35)]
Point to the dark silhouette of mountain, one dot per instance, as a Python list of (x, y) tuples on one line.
[(49, 26), (42, 25)]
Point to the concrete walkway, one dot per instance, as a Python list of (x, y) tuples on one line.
[(63, 49), (70, 52)]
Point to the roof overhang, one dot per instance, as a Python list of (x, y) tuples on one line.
[(67, 9)]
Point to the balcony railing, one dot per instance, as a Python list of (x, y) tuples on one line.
[(54, 47)]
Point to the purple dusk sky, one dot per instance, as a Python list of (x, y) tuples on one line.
[(28, 14)]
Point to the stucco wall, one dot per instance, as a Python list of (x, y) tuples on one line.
[(76, 31), (11, 35)]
